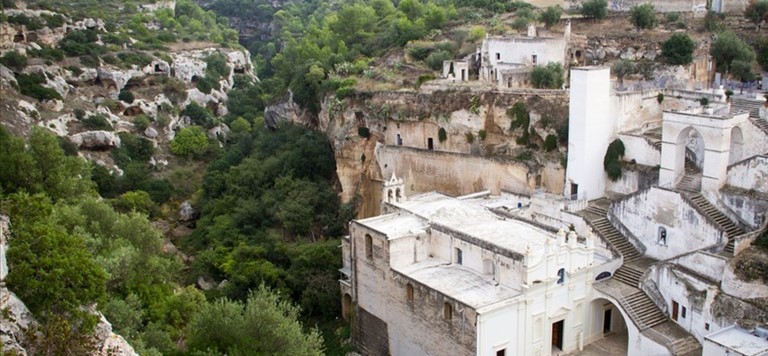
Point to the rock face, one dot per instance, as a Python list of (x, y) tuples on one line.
[(16, 319), (95, 140), (111, 343), (186, 212)]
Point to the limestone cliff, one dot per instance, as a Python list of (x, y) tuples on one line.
[(371, 132)]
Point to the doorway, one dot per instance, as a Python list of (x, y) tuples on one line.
[(430, 144), (557, 334), (607, 321), (675, 307), (574, 191)]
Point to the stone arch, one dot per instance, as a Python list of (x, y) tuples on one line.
[(447, 311), (346, 306), (694, 145), (368, 246), (607, 318), (736, 151)]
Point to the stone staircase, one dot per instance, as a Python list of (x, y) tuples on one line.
[(713, 213), (654, 138), (604, 228), (687, 346), (691, 181), (761, 123), (645, 310), (751, 106)]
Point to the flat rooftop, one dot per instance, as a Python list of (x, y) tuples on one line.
[(473, 219), (458, 282), (396, 225), (740, 340)]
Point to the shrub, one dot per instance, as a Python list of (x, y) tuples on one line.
[(126, 96), (97, 122), (79, 113), (612, 159), (548, 77), (46, 52), (435, 60), (54, 21), (660, 97), (14, 60), (207, 84), (520, 23), (678, 49), (442, 135), (32, 23), (519, 115), (703, 101), (76, 71), (482, 134), (643, 16), (141, 122), (30, 85), (470, 137), (344, 92), (198, 115), (189, 142), (757, 11), (596, 9), (110, 59), (135, 58), (550, 143), (476, 33), (90, 61), (424, 78), (419, 52), (712, 21), (672, 17), (551, 16), (363, 132)]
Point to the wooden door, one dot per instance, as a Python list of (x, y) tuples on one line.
[(675, 306)]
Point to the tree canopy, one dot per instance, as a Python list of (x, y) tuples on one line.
[(727, 48), (678, 49), (643, 16)]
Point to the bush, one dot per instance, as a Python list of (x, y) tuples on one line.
[(30, 85), (189, 142), (482, 134), (442, 135), (46, 52), (435, 60), (126, 96), (643, 16), (54, 21), (79, 113), (424, 78), (550, 143), (141, 122), (757, 11), (678, 49), (207, 84), (703, 101), (97, 122), (660, 97), (551, 16), (419, 52), (672, 17), (32, 23), (14, 60), (596, 9), (548, 77), (135, 58), (364, 132), (712, 21), (198, 115), (470, 137), (612, 159), (90, 61)]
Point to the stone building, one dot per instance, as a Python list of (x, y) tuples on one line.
[(653, 263)]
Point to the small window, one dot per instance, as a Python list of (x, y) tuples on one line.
[(498, 56), (706, 326), (662, 240), (459, 256), (502, 352), (561, 276), (447, 311), (683, 312), (409, 292), (534, 60), (368, 246)]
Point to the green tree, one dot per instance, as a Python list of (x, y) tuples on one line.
[(762, 52), (643, 16), (678, 49), (595, 9), (757, 11), (264, 324), (623, 68), (548, 77), (551, 15), (728, 47), (189, 142), (742, 70)]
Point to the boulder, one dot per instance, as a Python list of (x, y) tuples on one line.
[(219, 132), (7, 79), (150, 132), (111, 343), (54, 105), (186, 212), (15, 320), (96, 140)]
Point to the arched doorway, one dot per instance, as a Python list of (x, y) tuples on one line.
[(606, 326), (737, 142), (346, 306)]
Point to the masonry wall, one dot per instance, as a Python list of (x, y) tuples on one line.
[(751, 174), (637, 148), (645, 212), (751, 208), (635, 109), (520, 50), (451, 173), (690, 293)]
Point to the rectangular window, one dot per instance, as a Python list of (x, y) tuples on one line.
[(502, 352), (459, 256), (498, 56), (706, 326), (683, 312)]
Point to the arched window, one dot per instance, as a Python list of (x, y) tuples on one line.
[(561, 276), (662, 238), (397, 195), (389, 196), (368, 246), (459, 256), (409, 292), (447, 311)]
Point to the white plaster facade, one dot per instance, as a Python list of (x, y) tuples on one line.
[(506, 285)]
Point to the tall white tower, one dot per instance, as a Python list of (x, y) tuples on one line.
[(590, 130)]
